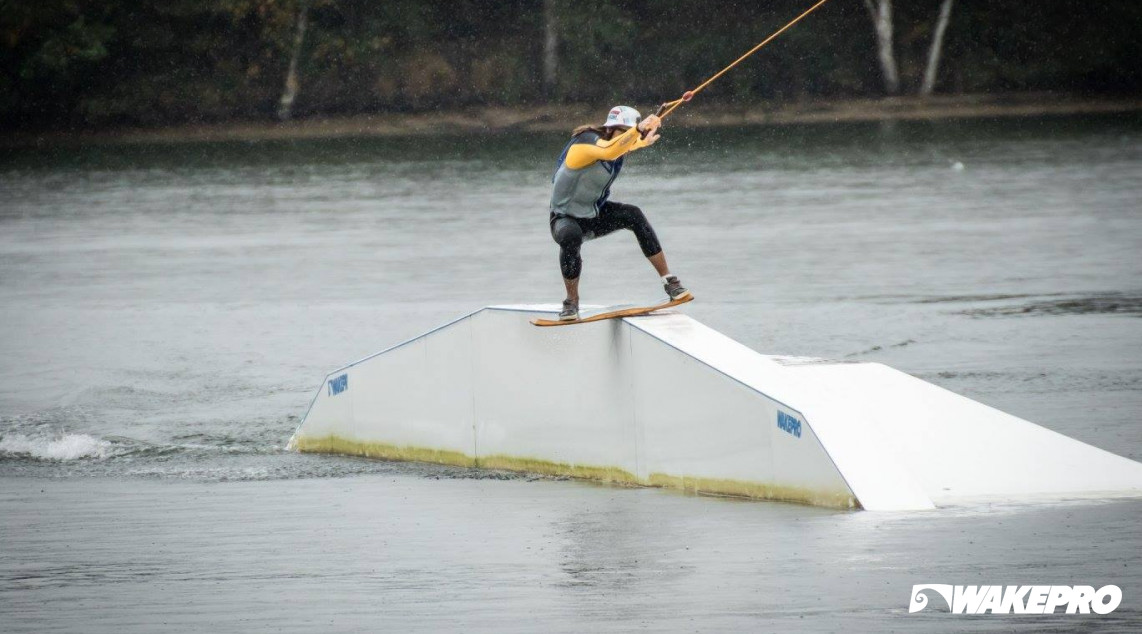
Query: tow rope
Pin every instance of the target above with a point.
(670, 106)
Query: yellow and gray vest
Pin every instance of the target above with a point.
(580, 193)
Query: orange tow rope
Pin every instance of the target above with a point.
(670, 106)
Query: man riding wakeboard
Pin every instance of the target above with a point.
(580, 209)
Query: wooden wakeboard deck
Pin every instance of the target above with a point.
(633, 311)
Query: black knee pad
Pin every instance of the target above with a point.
(567, 233)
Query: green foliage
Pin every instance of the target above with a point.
(67, 50)
(102, 62)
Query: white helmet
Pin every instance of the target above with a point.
(624, 116)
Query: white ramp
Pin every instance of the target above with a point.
(663, 400)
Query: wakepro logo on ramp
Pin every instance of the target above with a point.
(788, 424)
(338, 385)
(1018, 599)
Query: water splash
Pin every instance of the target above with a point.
(59, 448)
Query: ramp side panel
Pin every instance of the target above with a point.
(416, 396)
(556, 395)
(329, 414)
(700, 424)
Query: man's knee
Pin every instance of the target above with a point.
(568, 234)
(635, 215)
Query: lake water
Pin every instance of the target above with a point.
(169, 310)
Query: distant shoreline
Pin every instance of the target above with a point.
(564, 117)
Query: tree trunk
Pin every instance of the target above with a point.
(550, 46)
(285, 106)
(937, 45)
(881, 16)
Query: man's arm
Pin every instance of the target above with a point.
(582, 155)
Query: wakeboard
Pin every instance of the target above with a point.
(614, 312)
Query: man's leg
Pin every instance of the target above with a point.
(569, 235)
(572, 289)
(658, 261)
(614, 216)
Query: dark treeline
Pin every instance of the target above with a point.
(109, 62)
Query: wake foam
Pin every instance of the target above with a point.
(61, 448)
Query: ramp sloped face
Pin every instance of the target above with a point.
(663, 400)
(902, 443)
(961, 451)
